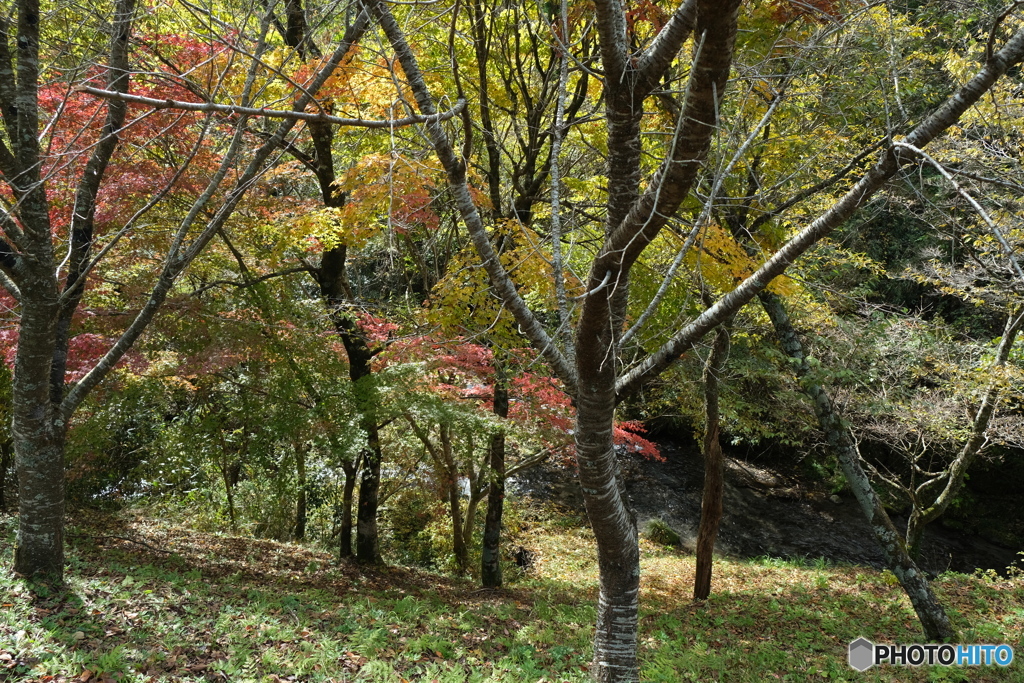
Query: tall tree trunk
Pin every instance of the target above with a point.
(300, 501)
(229, 492)
(229, 475)
(38, 442)
(345, 542)
(37, 425)
(367, 544)
(614, 525)
(451, 473)
(6, 456)
(930, 612)
(469, 520)
(711, 502)
(459, 547)
(335, 289)
(490, 563)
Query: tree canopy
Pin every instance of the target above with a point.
(329, 263)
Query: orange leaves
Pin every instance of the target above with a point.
(645, 12)
(342, 88)
(387, 190)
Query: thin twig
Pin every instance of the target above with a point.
(213, 107)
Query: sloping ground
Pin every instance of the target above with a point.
(150, 602)
(769, 511)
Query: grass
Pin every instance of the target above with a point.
(147, 601)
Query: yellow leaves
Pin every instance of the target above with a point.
(339, 84)
(463, 302)
(227, 74)
(327, 227)
(721, 261)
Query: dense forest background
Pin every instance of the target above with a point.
(333, 272)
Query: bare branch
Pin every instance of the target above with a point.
(705, 214)
(556, 181)
(249, 282)
(213, 107)
(528, 462)
(973, 202)
(12, 288)
(948, 114)
(177, 261)
(455, 169)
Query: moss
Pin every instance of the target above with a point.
(657, 531)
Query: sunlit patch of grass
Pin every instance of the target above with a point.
(218, 607)
(793, 620)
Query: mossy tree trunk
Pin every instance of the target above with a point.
(490, 562)
(930, 611)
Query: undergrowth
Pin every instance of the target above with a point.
(149, 601)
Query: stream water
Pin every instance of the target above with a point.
(767, 511)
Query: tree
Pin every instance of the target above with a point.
(636, 212)
(714, 465)
(46, 215)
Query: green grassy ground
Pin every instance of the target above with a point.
(174, 604)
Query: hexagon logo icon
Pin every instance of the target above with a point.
(862, 654)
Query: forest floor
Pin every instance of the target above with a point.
(773, 506)
(147, 600)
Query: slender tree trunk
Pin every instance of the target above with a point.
(451, 473)
(229, 492)
(334, 288)
(460, 550)
(333, 282)
(711, 502)
(367, 545)
(6, 457)
(490, 563)
(345, 542)
(930, 612)
(469, 519)
(923, 514)
(229, 475)
(300, 502)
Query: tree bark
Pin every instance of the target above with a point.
(451, 479)
(229, 492)
(38, 441)
(469, 519)
(614, 525)
(367, 543)
(6, 453)
(300, 501)
(490, 562)
(930, 612)
(711, 501)
(345, 540)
